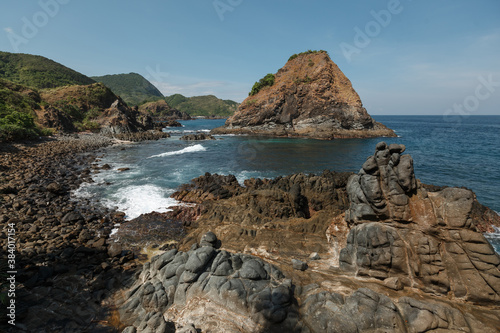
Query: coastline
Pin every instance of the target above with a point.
(64, 249)
(64, 257)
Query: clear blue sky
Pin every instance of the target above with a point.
(426, 57)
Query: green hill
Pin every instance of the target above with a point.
(17, 111)
(133, 88)
(38, 72)
(203, 105)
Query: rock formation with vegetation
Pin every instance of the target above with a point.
(308, 97)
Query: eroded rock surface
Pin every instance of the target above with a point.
(212, 290)
(393, 255)
(429, 239)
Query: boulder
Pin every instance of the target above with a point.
(197, 137)
(234, 292)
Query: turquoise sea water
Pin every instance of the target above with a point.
(446, 151)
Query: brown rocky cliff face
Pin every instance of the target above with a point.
(114, 115)
(311, 97)
(161, 110)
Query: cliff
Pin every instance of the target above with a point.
(310, 97)
(162, 110)
(89, 107)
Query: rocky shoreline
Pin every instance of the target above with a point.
(280, 255)
(273, 255)
(67, 266)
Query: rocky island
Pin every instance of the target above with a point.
(308, 97)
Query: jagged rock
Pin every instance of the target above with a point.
(52, 117)
(380, 190)
(161, 110)
(119, 118)
(428, 239)
(171, 123)
(208, 187)
(197, 137)
(141, 136)
(310, 97)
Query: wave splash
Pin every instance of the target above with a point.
(190, 149)
(141, 199)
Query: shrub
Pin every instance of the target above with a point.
(306, 52)
(307, 79)
(19, 126)
(11, 132)
(18, 119)
(266, 81)
(251, 102)
(92, 114)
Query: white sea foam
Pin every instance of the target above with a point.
(495, 234)
(141, 199)
(243, 175)
(187, 131)
(190, 149)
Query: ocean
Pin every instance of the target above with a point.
(458, 151)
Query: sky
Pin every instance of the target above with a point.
(403, 57)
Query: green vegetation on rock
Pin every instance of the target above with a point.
(306, 52)
(38, 72)
(266, 81)
(133, 88)
(205, 106)
(17, 105)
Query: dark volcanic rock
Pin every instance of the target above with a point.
(141, 136)
(64, 271)
(197, 137)
(275, 214)
(171, 123)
